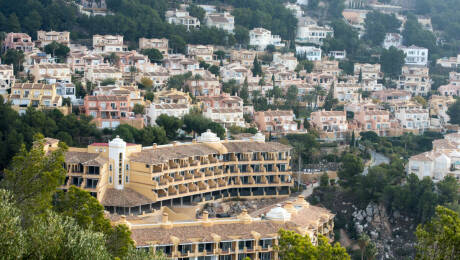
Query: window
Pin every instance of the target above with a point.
(110, 179)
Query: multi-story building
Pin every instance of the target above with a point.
(108, 43)
(155, 110)
(45, 38)
(42, 96)
(449, 90)
(374, 120)
(244, 57)
(415, 79)
(52, 73)
(368, 71)
(308, 32)
(417, 120)
(415, 55)
(347, 92)
(276, 121)
(204, 86)
(99, 75)
(286, 60)
(227, 117)
(159, 44)
(200, 52)
(309, 52)
(332, 124)
(183, 18)
(392, 40)
(18, 41)
(172, 96)
(7, 78)
(438, 109)
(261, 38)
(235, 71)
(243, 236)
(224, 21)
(128, 178)
(392, 95)
(111, 111)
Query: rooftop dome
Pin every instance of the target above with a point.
(208, 137)
(278, 213)
(259, 137)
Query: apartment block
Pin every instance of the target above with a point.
(18, 41)
(224, 21)
(128, 178)
(276, 121)
(415, 79)
(332, 124)
(38, 95)
(108, 43)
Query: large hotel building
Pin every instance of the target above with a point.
(131, 179)
(142, 184)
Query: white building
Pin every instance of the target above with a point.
(224, 21)
(261, 38)
(413, 119)
(226, 116)
(338, 55)
(66, 90)
(415, 79)
(108, 43)
(287, 60)
(415, 55)
(392, 40)
(183, 18)
(310, 52)
(45, 38)
(436, 164)
(157, 109)
(52, 73)
(309, 32)
(295, 9)
(6, 78)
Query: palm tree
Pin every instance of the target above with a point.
(132, 73)
(363, 242)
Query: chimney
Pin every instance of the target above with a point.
(175, 143)
(164, 218)
(154, 146)
(205, 215)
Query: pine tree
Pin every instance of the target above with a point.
(13, 23)
(256, 68)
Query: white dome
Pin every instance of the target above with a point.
(208, 137)
(278, 213)
(259, 137)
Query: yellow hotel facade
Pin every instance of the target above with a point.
(131, 179)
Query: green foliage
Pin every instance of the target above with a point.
(154, 55)
(12, 237)
(454, 112)
(305, 65)
(170, 124)
(306, 144)
(197, 12)
(178, 81)
(58, 50)
(256, 68)
(138, 109)
(351, 169)
(345, 38)
(439, 238)
(107, 82)
(15, 57)
(33, 177)
(145, 136)
(414, 34)
(238, 130)
(119, 241)
(330, 102)
(294, 246)
(378, 24)
(324, 180)
(214, 70)
(231, 87)
(197, 123)
(392, 61)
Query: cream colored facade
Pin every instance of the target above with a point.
(35, 95)
(45, 38)
(159, 44)
(108, 43)
(129, 178)
(233, 238)
(52, 73)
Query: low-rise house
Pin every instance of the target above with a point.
(222, 101)
(182, 17)
(440, 162)
(159, 78)
(172, 96)
(179, 64)
(79, 61)
(331, 124)
(227, 117)
(392, 95)
(236, 72)
(52, 73)
(449, 62)
(368, 71)
(392, 40)
(338, 55)
(244, 57)
(415, 79)
(415, 55)
(416, 120)
(108, 43)
(224, 21)
(99, 75)
(371, 85)
(347, 92)
(438, 109)
(276, 121)
(7, 78)
(44, 38)
(111, 111)
(38, 95)
(295, 9)
(200, 52)
(454, 78)
(159, 44)
(449, 90)
(67, 90)
(374, 120)
(18, 41)
(261, 38)
(287, 60)
(309, 52)
(154, 110)
(204, 86)
(308, 32)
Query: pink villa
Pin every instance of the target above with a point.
(332, 124)
(374, 120)
(111, 111)
(18, 41)
(449, 90)
(278, 121)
